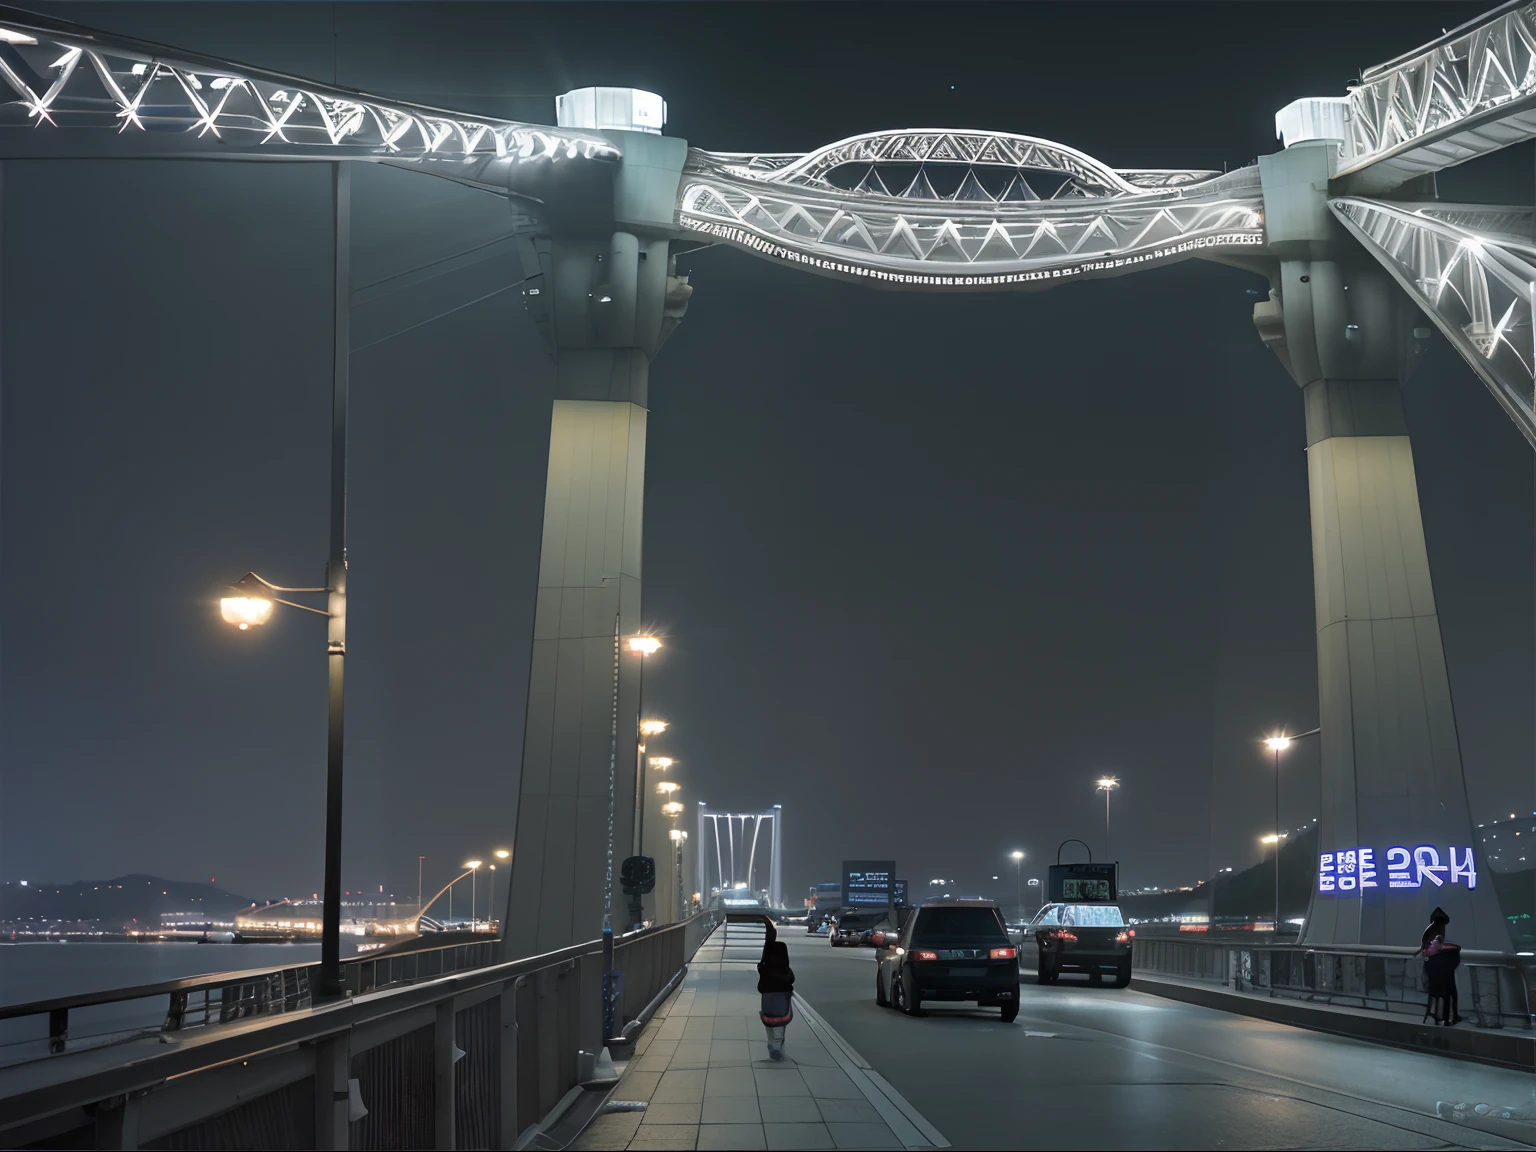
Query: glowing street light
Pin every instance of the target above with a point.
(652, 727)
(474, 871)
(645, 645)
(662, 762)
(1018, 881)
(642, 646)
(1277, 744)
(1106, 785)
(666, 787)
(674, 809)
(490, 898)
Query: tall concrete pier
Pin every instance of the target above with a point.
(603, 290)
(1395, 834)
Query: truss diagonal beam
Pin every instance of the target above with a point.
(88, 93)
(1472, 270)
(1470, 92)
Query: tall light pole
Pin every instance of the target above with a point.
(253, 603)
(490, 903)
(420, 862)
(677, 836)
(1018, 879)
(642, 646)
(1106, 785)
(474, 871)
(1278, 744)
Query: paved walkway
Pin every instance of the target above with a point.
(702, 1066)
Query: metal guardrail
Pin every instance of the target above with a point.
(222, 997)
(473, 1058)
(1494, 988)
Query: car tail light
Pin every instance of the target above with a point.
(925, 955)
(1004, 953)
(1061, 934)
(1125, 936)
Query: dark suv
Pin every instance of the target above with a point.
(950, 950)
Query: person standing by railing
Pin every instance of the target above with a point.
(776, 982)
(1441, 959)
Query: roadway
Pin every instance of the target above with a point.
(1096, 1067)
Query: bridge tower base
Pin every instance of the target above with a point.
(605, 306)
(1391, 763)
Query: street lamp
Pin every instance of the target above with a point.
(1018, 878)
(678, 837)
(666, 787)
(253, 590)
(474, 871)
(1277, 744)
(642, 646)
(1106, 785)
(652, 727)
(490, 900)
(662, 762)
(674, 809)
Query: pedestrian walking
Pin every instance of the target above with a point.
(1441, 959)
(776, 983)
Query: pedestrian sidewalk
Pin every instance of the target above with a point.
(702, 1067)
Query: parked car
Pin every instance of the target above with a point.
(950, 950)
(1089, 938)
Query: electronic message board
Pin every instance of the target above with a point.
(869, 883)
(1084, 883)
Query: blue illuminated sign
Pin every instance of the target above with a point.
(1351, 870)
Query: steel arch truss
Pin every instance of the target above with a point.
(1470, 92)
(1097, 221)
(128, 98)
(1472, 269)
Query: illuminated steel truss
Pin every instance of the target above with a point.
(1091, 220)
(72, 82)
(1472, 269)
(1023, 213)
(1470, 92)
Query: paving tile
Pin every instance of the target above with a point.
(669, 1114)
(683, 1087)
(729, 1053)
(737, 1081)
(780, 1082)
(651, 1062)
(671, 1028)
(637, 1085)
(730, 1028)
(797, 1135)
(731, 1136)
(832, 1083)
(699, 1028)
(615, 1126)
(731, 1110)
(666, 1136)
(848, 1111)
(691, 1054)
(806, 1051)
(790, 1110)
(861, 1136)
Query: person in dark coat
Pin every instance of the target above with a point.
(1441, 959)
(776, 982)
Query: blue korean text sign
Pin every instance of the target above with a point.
(1347, 871)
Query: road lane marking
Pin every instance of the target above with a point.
(908, 1124)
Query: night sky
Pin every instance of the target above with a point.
(925, 565)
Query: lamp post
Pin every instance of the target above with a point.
(1106, 785)
(253, 606)
(474, 871)
(490, 902)
(1018, 879)
(420, 862)
(641, 646)
(678, 836)
(1278, 744)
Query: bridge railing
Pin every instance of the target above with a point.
(1497, 986)
(69, 1023)
(472, 1058)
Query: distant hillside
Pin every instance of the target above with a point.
(122, 902)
